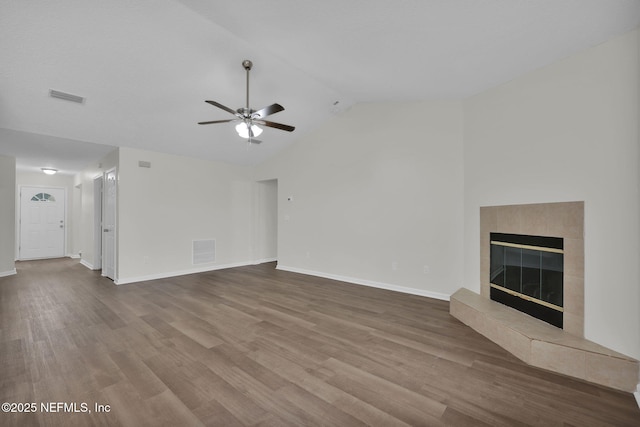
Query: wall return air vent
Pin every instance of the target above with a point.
(66, 96)
(204, 251)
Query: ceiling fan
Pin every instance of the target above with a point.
(249, 118)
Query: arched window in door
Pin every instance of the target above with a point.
(43, 197)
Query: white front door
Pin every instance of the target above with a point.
(109, 225)
(42, 226)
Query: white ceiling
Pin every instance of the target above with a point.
(146, 66)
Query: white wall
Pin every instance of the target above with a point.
(568, 132)
(7, 215)
(380, 184)
(40, 179)
(162, 209)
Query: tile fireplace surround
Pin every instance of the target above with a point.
(535, 342)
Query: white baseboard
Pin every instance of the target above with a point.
(86, 264)
(73, 256)
(126, 280)
(357, 281)
(636, 394)
(264, 260)
(364, 282)
(8, 273)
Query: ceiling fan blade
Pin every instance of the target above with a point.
(223, 107)
(216, 121)
(267, 111)
(254, 141)
(276, 125)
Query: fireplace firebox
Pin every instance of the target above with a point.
(526, 273)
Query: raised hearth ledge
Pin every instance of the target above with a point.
(544, 346)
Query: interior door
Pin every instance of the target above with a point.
(109, 225)
(42, 227)
(97, 222)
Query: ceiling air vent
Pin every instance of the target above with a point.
(66, 96)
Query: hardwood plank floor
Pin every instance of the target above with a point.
(254, 346)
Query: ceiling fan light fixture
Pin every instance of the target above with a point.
(243, 130)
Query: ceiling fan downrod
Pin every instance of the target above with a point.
(247, 66)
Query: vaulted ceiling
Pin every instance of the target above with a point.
(145, 67)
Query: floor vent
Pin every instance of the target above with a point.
(204, 251)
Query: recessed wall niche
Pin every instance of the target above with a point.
(562, 220)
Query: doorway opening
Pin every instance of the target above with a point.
(266, 230)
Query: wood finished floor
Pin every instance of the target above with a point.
(254, 346)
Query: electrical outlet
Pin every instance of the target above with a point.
(426, 269)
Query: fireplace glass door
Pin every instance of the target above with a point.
(529, 268)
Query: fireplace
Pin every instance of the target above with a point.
(526, 273)
(538, 344)
(564, 220)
